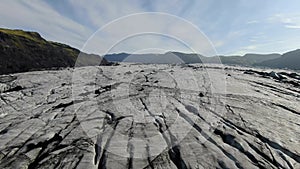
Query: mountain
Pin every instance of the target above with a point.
(258, 58)
(290, 60)
(169, 57)
(247, 59)
(116, 57)
(22, 51)
(234, 60)
(178, 57)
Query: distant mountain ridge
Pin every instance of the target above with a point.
(178, 57)
(169, 57)
(22, 51)
(258, 58)
(289, 60)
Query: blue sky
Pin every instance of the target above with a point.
(234, 27)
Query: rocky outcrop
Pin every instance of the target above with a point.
(22, 51)
(150, 116)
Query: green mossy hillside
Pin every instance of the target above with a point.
(22, 51)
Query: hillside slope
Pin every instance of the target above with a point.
(258, 58)
(166, 58)
(179, 57)
(22, 51)
(290, 60)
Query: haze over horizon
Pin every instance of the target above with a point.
(235, 27)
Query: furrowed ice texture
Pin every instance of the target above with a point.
(50, 120)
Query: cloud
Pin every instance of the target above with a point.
(57, 25)
(293, 26)
(258, 37)
(291, 21)
(251, 47)
(252, 22)
(39, 16)
(266, 47)
(99, 13)
(149, 30)
(218, 43)
(227, 24)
